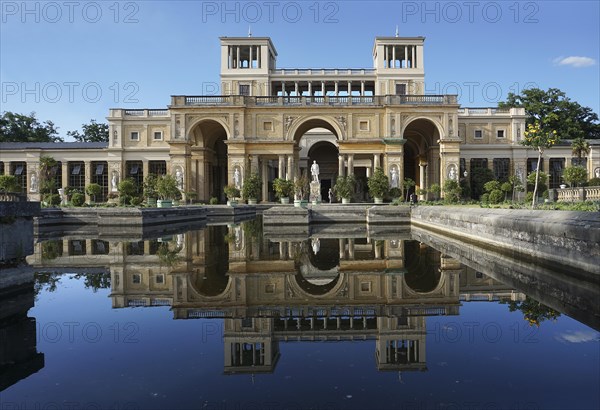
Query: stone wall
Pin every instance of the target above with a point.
(564, 239)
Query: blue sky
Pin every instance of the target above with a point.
(72, 61)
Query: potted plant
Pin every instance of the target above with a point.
(231, 192)
(301, 189)
(150, 190)
(252, 188)
(167, 190)
(93, 190)
(379, 185)
(344, 188)
(283, 189)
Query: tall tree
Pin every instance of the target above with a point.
(92, 132)
(571, 120)
(580, 147)
(540, 136)
(26, 128)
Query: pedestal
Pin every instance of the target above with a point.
(315, 192)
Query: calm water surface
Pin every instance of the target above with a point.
(226, 318)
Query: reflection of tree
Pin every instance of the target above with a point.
(533, 311)
(95, 280)
(168, 253)
(51, 249)
(45, 280)
(48, 281)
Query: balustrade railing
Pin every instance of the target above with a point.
(340, 100)
(591, 193)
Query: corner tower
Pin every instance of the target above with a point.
(245, 65)
(399, 65)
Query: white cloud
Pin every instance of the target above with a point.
(578, 337)
(575, 61)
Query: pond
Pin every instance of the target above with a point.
(226, 317)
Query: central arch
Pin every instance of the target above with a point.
(316, 139)
(421, 151)
(208, 167)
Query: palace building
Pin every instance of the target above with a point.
(276, 122)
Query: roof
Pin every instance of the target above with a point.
(52, 145)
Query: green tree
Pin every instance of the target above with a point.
(479, 177)
(575, 175)
(452, 191)
(26, 128)
(580, 148)
(533, 311)
(568, 118)
(47, 172)
(540, 136)
(407, 184)
(92, 132)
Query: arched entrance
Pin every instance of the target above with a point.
(208, 159)
(316, 139)
(421, 152)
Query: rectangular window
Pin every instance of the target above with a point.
(268, 126)
(56, 173)
(135, 136)
(365, 286)
(579, 162)
(157, 167)
(99, 247)
(77, 175)
(400, 89)
(478, 134)
(100, 177)
(556, 169)
(136, 172)
(76, 248)
(160, 279)
(501, 169)
(363, 125)
(158, 135)
(136, 278)
(134, 248)
(532, 165)
(500, 134)
(244, 89)
(1, 168)
(20, 172)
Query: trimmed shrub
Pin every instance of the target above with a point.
(77, 199)
(496, 196)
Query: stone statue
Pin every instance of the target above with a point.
(452, 172)
(597, 173)
(114, 182)
(314, 170)
(63, 197)
(179, 178)
(316, 245)
(236, 178)
(34, 184)
(395, 180)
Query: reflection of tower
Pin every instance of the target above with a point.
(18, 350)
(249, 346)
(401, 343)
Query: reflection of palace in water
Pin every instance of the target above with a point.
(322, 289)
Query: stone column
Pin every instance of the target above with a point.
(88, 172)
(342, 244)
(65, 173)
(341, 165)
(376, 163)
(146, 169)
(422, 181)
(265, 180)
(290, 168)
(350, 164)
(336, 88)
(281, 173)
